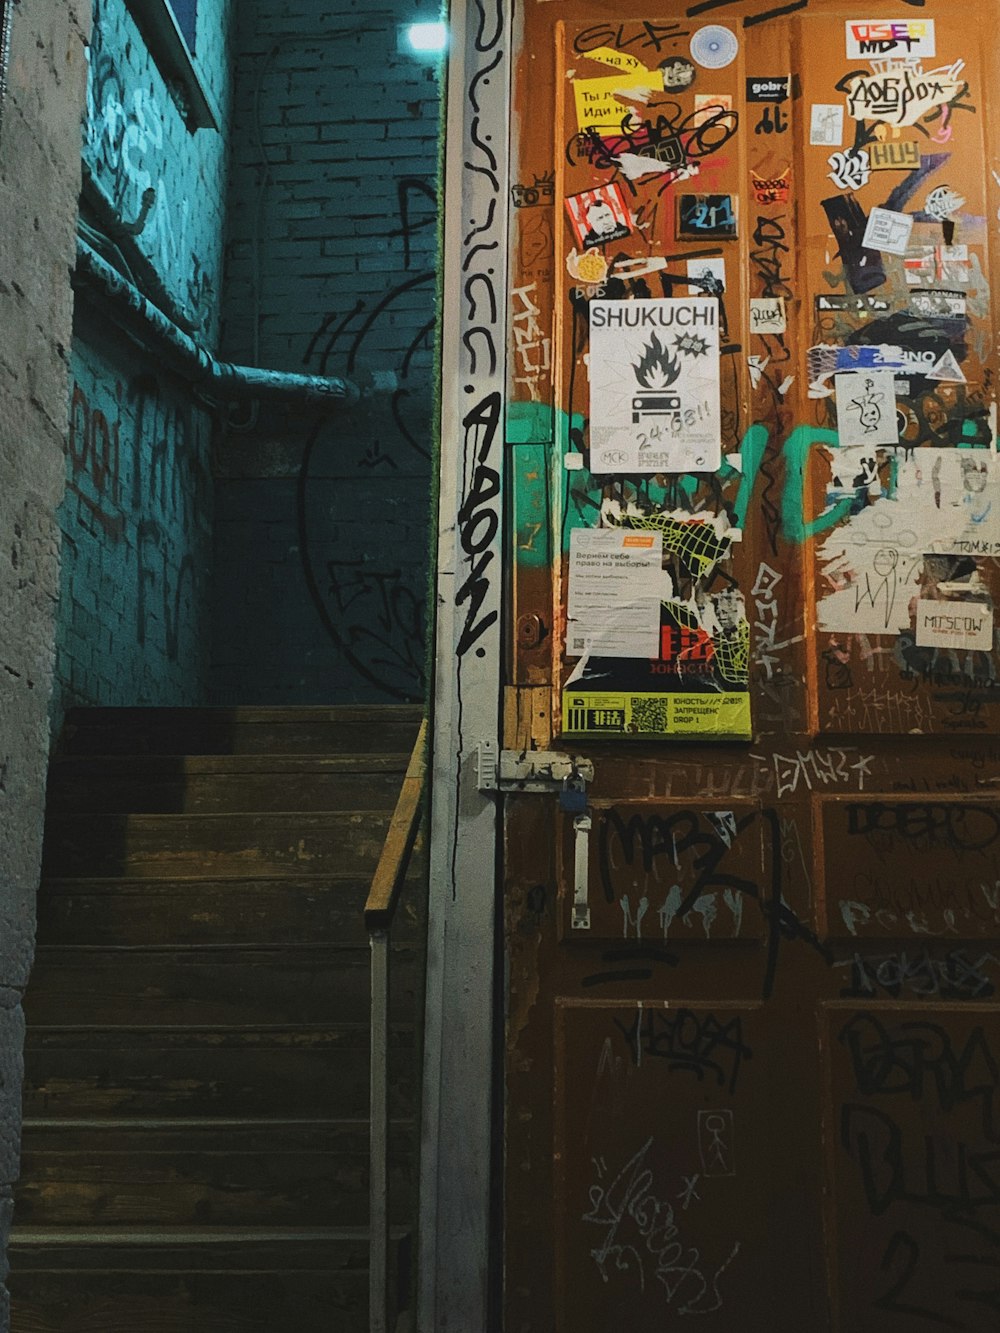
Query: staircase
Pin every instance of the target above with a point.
(196, 1063)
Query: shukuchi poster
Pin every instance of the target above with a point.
(654, 385)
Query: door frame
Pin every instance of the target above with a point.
(459, 1072)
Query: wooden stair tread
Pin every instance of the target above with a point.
(267, 952)
(238, 783)
(196, 1057)
(143, 1237)
(180, 765)
(121, 714)
(248, 845)
(211, 1070)
(174, 819)
(255, 986)
(295, 730)
(149, 1124)
(193, 911)
(345, 1029)
(162, 884)
(270, 1171)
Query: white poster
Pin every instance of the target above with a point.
(616, 582)
(903, 39)
(888, 231)
(826, 125)
(930, 265)
(947, 624)
(903, 93)
(654, 385)
(767, 314)
(875, 563)
(710, 274)
(866, 407)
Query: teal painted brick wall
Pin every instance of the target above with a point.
(167, 182)
(322, 535)
(134, 623)
(135, 602)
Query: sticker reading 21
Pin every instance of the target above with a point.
(701, 216)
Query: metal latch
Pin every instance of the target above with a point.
(534, 771)
(548, 771)
(581, 873)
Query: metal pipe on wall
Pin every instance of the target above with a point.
(137, 316)
(122, 236)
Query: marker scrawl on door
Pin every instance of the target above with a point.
(866, 407)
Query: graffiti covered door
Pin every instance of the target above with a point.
(752, 1043)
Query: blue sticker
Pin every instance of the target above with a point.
(714, 47)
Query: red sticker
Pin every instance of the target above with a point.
(771, 189)
(598, 216)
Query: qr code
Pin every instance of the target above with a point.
(579, 645)
(649, 715)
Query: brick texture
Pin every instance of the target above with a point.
(322, 519)
(135, 599)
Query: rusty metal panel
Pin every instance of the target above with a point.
(674, 873)
(830, 846)
(902, 537)
(909, 867)
(910, 1133)
(659, 1116)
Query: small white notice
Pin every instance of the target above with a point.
(826, 125)
(888, 231)
(767, 314)
(866, 407)
(966, 625)
(709, 275)
(615, 584)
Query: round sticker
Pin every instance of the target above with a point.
(714, 47)
(678, 72)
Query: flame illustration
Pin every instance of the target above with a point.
(656, 369)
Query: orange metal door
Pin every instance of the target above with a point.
(752, 1041)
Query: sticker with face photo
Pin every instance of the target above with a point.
(599, 216)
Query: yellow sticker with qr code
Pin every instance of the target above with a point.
(643, 716)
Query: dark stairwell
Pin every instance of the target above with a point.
(196, 1068)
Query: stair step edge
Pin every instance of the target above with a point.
(202, 1122)
(22, 1237)
(348, 1026)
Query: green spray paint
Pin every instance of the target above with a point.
(794, 527)
(530, 422)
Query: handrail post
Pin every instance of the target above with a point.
(378, 1185)
(380, 908)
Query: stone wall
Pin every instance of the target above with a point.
(39, 184)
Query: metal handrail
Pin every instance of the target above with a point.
(380, 908)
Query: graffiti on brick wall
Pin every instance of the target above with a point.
(370, 604)
(131, 146)
(344, 338)
(373, 609)
(137, 511)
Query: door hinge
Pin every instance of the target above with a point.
(531, 770)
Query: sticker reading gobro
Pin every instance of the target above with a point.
(654, 385)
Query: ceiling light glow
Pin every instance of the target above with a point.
(427, 38)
